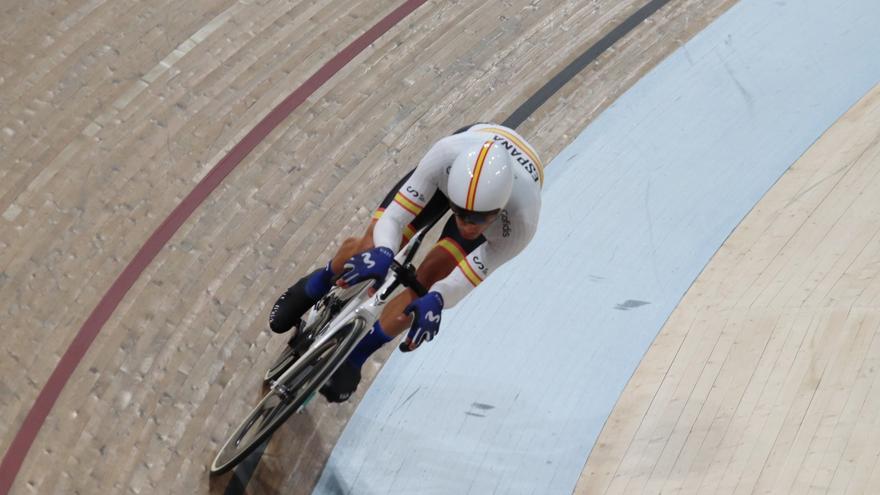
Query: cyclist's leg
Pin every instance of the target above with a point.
(351, 247)
(302, 295)
(346, 378)
(438, 264)
(355, 245)
(435, 267)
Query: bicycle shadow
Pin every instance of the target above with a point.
(291, 461)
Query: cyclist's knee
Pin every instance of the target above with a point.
(350, 245)
(349, 248)
(355, 245)
(365, 243)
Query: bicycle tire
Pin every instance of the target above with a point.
(287, 356)
(279, 408)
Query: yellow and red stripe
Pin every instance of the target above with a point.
(456, 251)
(408, 204)
(521, 145)
(408, 232)
(475, 176)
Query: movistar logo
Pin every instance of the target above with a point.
(368, 261)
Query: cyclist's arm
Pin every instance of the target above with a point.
(480, 263)
(411, 198)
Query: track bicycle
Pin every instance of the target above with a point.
(329, 331)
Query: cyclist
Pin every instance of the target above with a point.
(491, 179)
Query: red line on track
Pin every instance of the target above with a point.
(18, 450)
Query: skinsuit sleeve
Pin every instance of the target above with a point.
(412, 196)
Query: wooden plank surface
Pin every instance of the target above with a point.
(763, 379)
(110, 112)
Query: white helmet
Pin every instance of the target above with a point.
(481, 178)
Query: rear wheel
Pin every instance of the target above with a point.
(282, 400)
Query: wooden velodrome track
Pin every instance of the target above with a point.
(764, 378)
(112, 112)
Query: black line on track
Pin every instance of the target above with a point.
(245, 471)
(548, 90)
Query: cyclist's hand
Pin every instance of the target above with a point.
(372, 264)
(426, 323)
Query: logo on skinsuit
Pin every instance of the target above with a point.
(416, 194)
(481, 266)
(505, 224)
(527, 164)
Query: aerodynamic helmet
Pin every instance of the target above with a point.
(480, 179)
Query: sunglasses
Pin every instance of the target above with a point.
(473, 217)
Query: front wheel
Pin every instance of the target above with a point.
(284, 399)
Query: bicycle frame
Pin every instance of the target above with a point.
(361, 305)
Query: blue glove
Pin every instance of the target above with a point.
(371, 264)
(426, 323)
